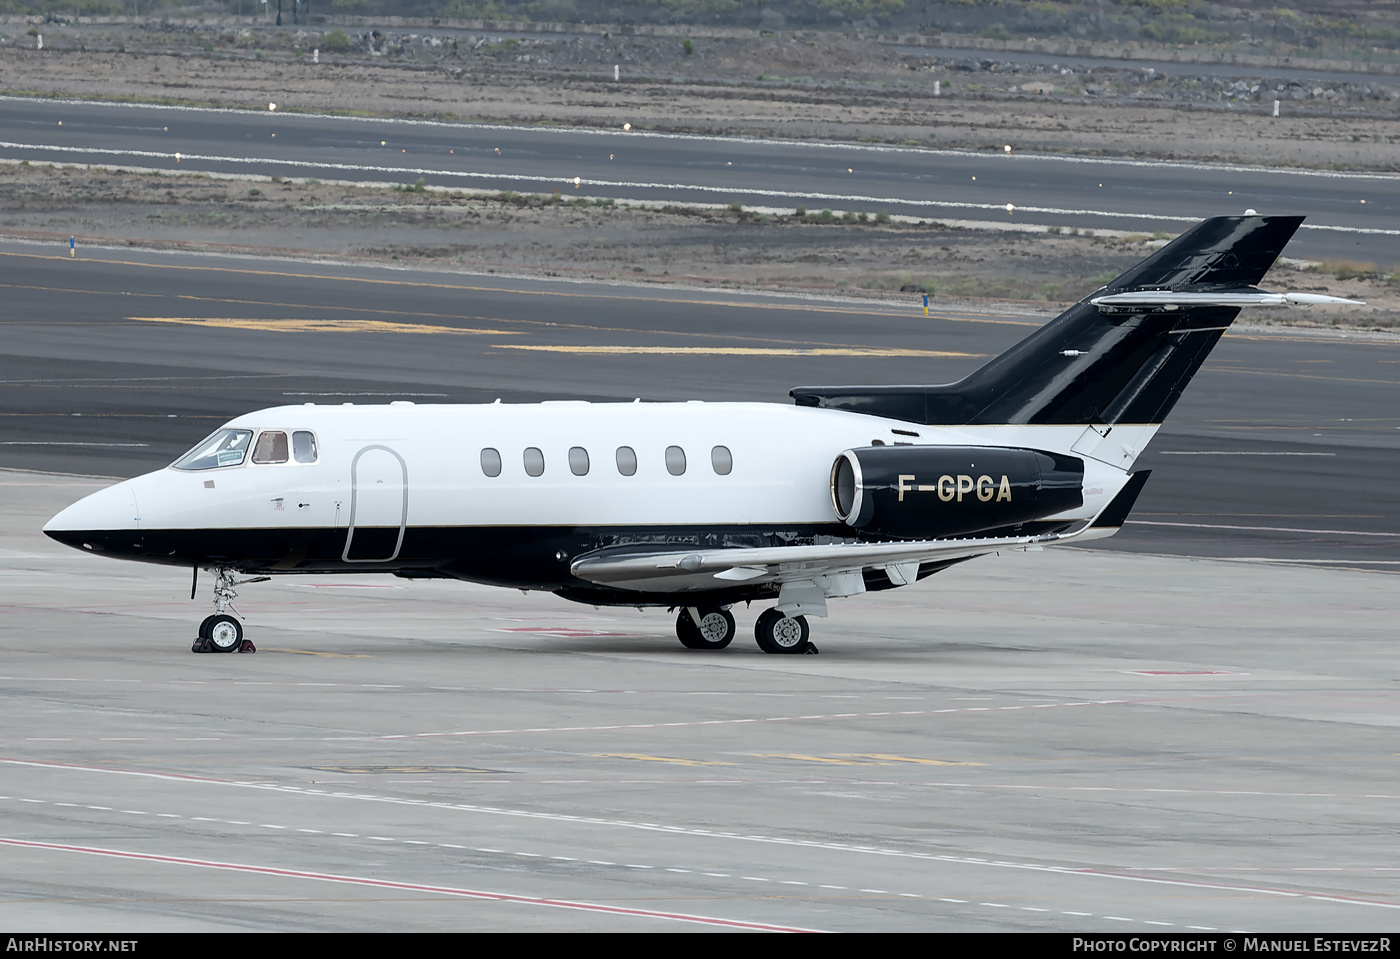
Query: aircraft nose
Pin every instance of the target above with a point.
(100, 521)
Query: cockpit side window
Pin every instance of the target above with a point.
(271, 448)
(304, 446)
(224, 447)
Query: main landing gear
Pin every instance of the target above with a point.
(705, 628)
(780, 633)
(708, 628)
(220, 632)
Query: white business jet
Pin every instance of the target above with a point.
(699, 506)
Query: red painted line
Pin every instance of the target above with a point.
(1103, 873)
(405, 886)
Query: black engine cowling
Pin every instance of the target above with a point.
(918, 492)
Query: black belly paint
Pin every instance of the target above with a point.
(519, 557)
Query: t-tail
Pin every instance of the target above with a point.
(1121, 355)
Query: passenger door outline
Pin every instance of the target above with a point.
(355, 506)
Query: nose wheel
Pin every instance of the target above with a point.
(220, 632)
(224, 633)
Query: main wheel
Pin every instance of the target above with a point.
(779, 633)
(715, 631)
(205, 626)
(225, 633)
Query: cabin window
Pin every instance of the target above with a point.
(271, 448)
(534, 461)
(578, 461)
(626, 461)
(721, 460)
(304, 446)
(675, 460)
(491, 462)
(224, 447)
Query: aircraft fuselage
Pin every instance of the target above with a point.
(406, 487)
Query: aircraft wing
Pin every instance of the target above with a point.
(704, 569)
(834, 569)
(701, 569)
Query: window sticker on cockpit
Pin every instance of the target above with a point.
(224, 447)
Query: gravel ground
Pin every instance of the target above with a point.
(545, 236)
(790, 84)
(793, 85)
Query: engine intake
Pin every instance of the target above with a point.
(919, 492)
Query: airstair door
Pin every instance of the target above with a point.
(378, 506)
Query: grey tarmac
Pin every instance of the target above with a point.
(1071, 740)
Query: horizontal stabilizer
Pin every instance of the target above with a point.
(1178, 299)
(1124, 354)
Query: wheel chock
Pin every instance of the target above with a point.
(247, 647)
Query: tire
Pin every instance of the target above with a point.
(205, 626)
(716, 629)
(225, 634)
(779, 633)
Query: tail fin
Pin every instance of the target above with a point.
(1097, 363)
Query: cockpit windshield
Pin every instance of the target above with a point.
(225, 447)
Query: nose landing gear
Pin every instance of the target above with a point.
(220, 632)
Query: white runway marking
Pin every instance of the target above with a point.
(556, 181)
(745, 141)
(404, 886)
(1332, 562)
(64, 443)
(1116, 875)
(1267, 529)
(617, 726)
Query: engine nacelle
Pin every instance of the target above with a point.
(919, 492)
